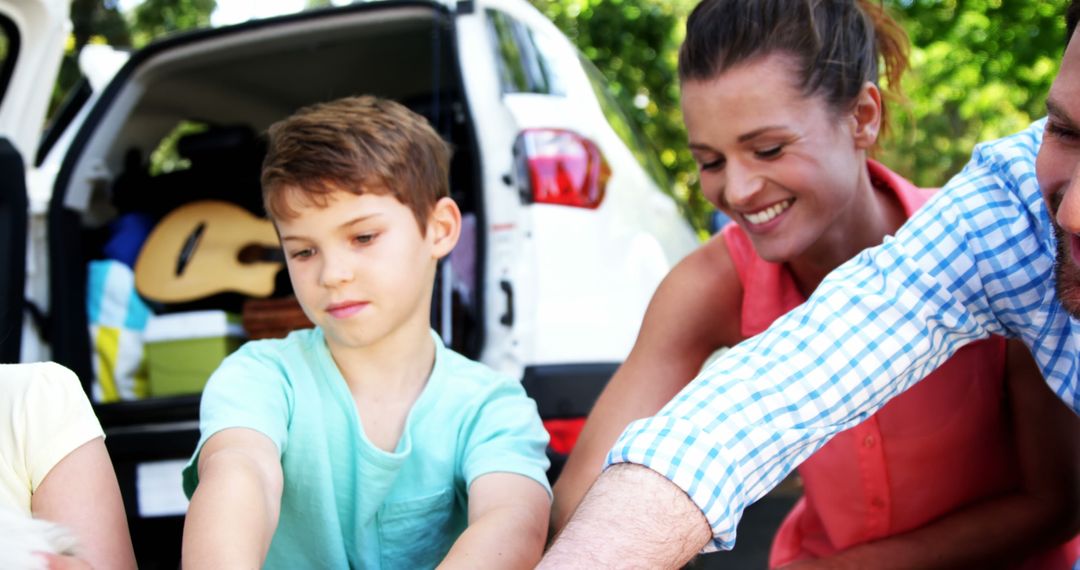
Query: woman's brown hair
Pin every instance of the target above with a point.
(836, 44)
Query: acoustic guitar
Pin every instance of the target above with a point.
(208, 247)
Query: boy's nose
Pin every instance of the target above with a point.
(335, 271)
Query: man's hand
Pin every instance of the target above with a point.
(631, 517)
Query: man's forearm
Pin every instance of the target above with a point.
(631, 517)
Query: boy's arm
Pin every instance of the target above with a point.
(234, 510)
(508, 518)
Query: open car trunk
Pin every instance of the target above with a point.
(182, 123)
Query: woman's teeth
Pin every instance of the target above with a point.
(768, 213)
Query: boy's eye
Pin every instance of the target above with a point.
(302, 253)
(771, 152)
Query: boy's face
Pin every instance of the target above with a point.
(1057, 170)
(360, 267)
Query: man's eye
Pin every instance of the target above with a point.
(1062, 132)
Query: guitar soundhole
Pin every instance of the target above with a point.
(190, 245)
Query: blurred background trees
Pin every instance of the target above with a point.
(980, 69)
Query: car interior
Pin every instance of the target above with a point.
(186, 123)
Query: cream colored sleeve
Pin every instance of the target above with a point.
(49, 417)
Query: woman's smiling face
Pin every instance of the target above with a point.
(784, 166)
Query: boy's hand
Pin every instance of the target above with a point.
(508, 518)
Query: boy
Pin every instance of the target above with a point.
(364, 442)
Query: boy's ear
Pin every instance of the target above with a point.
(444, 226)
(866, 115)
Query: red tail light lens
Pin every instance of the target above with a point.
(561, 167)
(564, 433)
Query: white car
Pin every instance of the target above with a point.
(570, 234)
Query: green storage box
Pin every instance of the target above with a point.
(183, 349)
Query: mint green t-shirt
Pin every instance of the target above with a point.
(347, 503)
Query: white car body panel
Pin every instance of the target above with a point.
(43, 28)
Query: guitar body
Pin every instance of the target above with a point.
(200, 249)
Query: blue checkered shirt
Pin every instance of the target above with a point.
(976, 260)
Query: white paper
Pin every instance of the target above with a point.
(158, 488)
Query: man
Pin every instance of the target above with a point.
(985, 256)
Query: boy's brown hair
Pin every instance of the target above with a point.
(357, 145)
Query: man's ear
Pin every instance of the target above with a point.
(444, 226)
(866, 115)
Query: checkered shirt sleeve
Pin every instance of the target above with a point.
(976, 260)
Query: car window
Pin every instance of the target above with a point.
(544, 46)
(626, 129)
(9, 51)
(523, 66)
(64, 114)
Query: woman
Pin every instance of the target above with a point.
(975, 466)
(54, 467)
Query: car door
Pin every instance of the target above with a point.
(32, 35)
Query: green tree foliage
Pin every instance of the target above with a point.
(980, 69)
(155, 18)
(91, 21)
(95, 21)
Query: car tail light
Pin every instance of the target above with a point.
(564, 433)
(560, 167)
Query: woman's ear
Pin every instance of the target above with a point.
(867, 116)
(444, 226)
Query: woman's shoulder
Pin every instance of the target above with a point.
(48, 378)
(702, 294)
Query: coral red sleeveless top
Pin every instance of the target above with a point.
(943, 444)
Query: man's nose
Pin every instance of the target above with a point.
(1068, 212)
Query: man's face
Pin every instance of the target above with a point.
(1057, 171)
